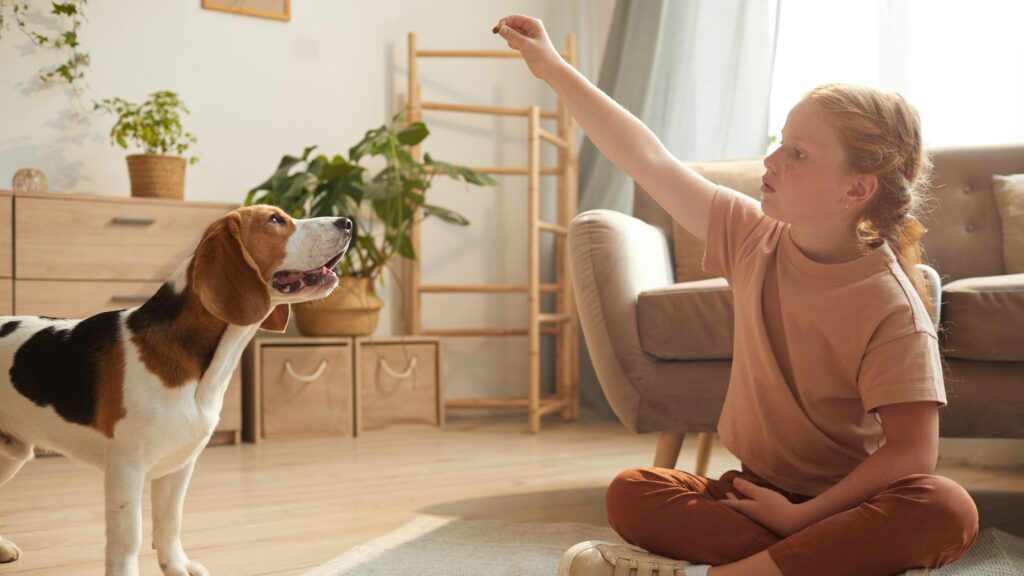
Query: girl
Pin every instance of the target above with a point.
(834, 351)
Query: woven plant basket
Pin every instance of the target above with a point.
(156, 176)
(353, 309)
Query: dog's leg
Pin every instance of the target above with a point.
(13, 455)
(168, 499)
(123, 483)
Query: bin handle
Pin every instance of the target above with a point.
(408, 371)
(304, 377)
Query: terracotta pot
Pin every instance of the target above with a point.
(156, 176)
(353, 309)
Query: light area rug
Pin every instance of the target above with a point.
(432, 545)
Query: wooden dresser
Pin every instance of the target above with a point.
(70, 255)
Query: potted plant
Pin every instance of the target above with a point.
(382, 207)
(155, 127)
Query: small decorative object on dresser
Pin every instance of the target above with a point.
(155, 127)
(29, 181)
(398, 382)
(296, 387)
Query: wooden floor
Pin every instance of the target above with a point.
(283, 507)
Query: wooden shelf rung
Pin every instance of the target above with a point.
(474, 54)
(557, 141)
(549, 403)
(469, 403)
(554, 318)
(470, 332)
(490, 110)
(484, 288)
(554, 405)
(508, 170)
(549, 227)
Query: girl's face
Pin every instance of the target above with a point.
(807, 178)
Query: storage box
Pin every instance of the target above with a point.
(298, 387)
(398, 382)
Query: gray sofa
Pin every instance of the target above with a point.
(659, 330)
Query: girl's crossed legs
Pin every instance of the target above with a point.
(918, 521)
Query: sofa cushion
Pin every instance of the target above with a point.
(687, 321)
(982, 318)
(1009, 193)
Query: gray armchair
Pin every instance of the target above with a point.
(660, 331)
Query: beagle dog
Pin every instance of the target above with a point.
(137, 393)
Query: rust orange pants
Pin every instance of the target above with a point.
(916, 522)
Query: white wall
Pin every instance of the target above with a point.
(259, 89)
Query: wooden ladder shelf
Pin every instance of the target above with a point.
(562, 323)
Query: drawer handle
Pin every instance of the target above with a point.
(303, 377)
(409, 371)
(129, 298)
(133, 221)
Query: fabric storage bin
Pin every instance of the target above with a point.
(398, 382)
(298, 387)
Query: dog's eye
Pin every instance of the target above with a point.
(275, 219)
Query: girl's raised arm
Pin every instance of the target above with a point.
(619, 135)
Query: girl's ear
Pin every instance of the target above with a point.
(862, 190)
(226, 278)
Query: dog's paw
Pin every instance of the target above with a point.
(188, 568)
(9, 552)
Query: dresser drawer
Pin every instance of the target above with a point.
(6, 297)
(78, 299)
(6, 236)
(398, 382)
(94, 239)
(306, 390)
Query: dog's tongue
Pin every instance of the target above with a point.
(293, 280)
(288, 277)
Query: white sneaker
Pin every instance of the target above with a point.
(598, 558)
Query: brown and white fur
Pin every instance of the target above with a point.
(137, 393)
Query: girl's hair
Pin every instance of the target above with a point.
(881, 135)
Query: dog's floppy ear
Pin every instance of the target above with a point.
(226, 278)
(278, 319)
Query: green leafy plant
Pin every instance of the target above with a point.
(382, 206)
(154, 125)
(74, 60)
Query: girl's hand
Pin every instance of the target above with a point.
(527, 35)
(767, 507)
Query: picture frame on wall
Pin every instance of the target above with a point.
(273, 9)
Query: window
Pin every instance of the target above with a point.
(961, 64)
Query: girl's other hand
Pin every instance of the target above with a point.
(767, 507)
(528, 37)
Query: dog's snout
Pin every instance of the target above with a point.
(343, 223)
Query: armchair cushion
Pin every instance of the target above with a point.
(983, 318)
(687, 321)
(740, 175)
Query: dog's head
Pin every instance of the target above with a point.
(258, 260)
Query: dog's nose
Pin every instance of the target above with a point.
(343, 223)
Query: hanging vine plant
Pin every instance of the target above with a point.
(71, 15)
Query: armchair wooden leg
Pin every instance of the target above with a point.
(669, 445)
(704, 443)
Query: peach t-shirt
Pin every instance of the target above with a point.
(818, 347)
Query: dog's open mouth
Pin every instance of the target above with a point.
(291, 281)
